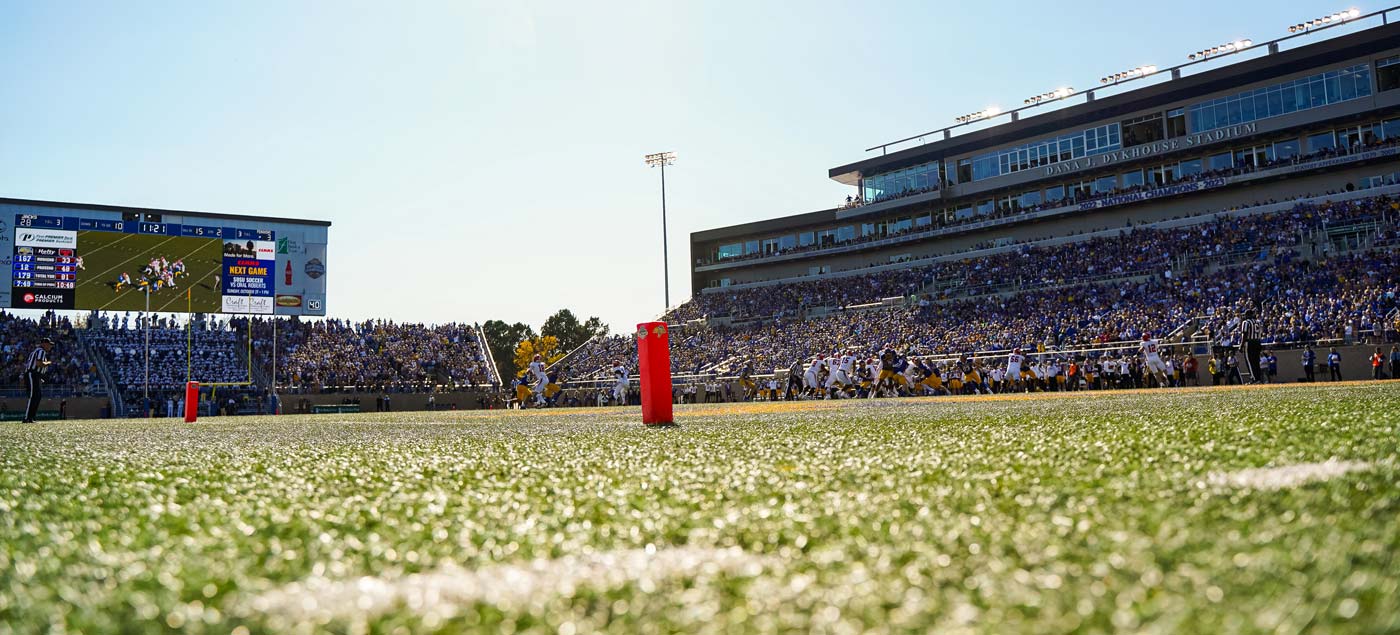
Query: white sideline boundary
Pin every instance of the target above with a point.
(447, 590)
(1285, 476)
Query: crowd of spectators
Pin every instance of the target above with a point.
(377, 354)
(1073, 198)
(1099, 290)
(211, 351)
(1138, 251)
(71, 372)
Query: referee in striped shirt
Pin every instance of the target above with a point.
(33, 371)
(1251, 332)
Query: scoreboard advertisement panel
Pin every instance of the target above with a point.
(100, 259)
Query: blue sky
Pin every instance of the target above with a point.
(483, 160)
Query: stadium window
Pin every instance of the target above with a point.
(1176, 123)
(1189, 167)
(963, 212)
(846, 233)
(1322, 141)
(901, 225)
(1372, 133)
(1132, 179)
(787, 242)
(806, 239)
(923, 221)
(965, 171)
(1284, 150)
(1280, 99)
(750, 247)
(1163, 175)
(729, 251)
(826, 237)
(985, 208)
(1222, 161)
(1030, 199)
(1388, 73)
(1140, 130)
(1054, 194)
(1348, 138)
(724, 282)
(1105, 184)
(1391, 128)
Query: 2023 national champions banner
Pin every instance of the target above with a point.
(65, 257)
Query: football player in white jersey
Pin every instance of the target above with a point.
(619, 392)
(541, 378)
(840, 378)
(1152, 359)
(813, 374)
(1013, 369)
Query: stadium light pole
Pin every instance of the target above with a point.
(661, 160)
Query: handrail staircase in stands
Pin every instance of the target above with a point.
(113, 391)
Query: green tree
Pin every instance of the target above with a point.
(503, 339)
(565, 327)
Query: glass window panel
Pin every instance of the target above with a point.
(1105, 184)
(1221, 161)
(1057, 193)
(1321, 141)
(1392, 127)
(1189, 167)
(751, 247)
(1132, 179)
(1287, 149)
(806, 239)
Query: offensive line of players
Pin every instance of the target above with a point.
(889, 374)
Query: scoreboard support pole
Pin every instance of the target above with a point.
(146, 398)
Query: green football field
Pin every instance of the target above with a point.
(106, 255)
(1268, 510)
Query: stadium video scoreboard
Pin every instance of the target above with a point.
(127, 260)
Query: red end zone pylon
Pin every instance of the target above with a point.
(654, 372)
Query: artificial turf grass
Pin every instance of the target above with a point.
(1004, 515)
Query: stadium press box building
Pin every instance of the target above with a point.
(1286, 120)
(74, 256)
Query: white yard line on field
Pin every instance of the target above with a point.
(1284, 476)
(191, 284)
(118, 296)
(87, 253)
(451, 588)
(103, 275)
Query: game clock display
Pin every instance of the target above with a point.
(64, 262)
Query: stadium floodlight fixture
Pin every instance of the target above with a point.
(1326, 20)
(661, 160)
(1058, 93)
(1132, 73)
(987, 113)
(1221, 49)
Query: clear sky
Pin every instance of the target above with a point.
(483, 160)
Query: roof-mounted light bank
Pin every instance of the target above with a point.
(1132, 73)
(1222, 49)
(1340, 16)
(1203, 55)
(1058, 93)
(990, 112)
